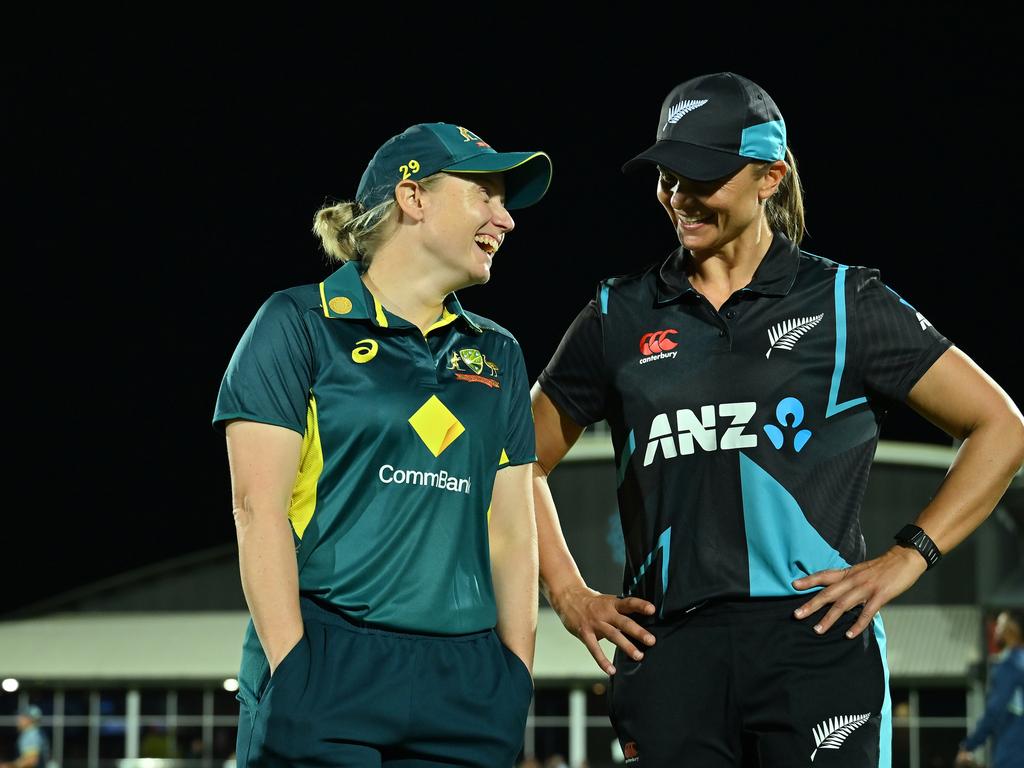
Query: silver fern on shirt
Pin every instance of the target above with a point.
(833, 732)
(789, 332)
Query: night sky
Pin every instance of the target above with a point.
(164, 178)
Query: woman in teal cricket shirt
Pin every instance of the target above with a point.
(380, 441)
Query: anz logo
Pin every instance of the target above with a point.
(689, 431)
(790, 415)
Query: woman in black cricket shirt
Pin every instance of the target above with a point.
(744, 382)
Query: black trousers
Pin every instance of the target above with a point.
(740, 684)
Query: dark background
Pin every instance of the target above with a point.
(162, 175)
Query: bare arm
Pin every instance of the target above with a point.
(264, 461)
(31, 760)
(513, 541)
(960, 398)
(586, 613)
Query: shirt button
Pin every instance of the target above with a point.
(721, 333)
(730, 314)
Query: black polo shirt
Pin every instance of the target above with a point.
(743, 437)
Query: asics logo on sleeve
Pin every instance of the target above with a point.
(691, 431)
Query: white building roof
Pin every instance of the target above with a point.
(927, 642)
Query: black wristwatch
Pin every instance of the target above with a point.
(913, 537)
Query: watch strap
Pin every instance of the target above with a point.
(914, 537)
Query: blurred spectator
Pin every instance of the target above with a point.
(156, 743)
(1004, 710)
(33, 747)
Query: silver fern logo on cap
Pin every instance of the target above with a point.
(676, 112)
(787, 333)
(833, 732)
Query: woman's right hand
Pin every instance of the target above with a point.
(593, 616)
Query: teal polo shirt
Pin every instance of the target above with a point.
(403, 433)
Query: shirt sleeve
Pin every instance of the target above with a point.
(271, 372)
(30, 743)
(574, 378)
(895, 344)
(520, 443)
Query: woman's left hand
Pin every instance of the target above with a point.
(872, 584)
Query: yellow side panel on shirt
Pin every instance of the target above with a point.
(502, 460)
(311, 464)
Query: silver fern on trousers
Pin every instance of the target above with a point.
(832, 733)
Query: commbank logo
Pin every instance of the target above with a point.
(690, 431)
(441, 479)
(657, 345)
(436, 426)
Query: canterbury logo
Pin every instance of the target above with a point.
(676, 112)
(786, 334)
(658, 341)
(833, 732)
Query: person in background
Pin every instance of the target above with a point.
(33, 746)
(1003, 719)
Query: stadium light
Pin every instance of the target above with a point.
(9, 684)
(231, 685)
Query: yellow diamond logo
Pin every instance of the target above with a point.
(436, 425)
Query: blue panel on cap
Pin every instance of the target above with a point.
(766, 141)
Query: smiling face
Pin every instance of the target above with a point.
(707, 215)
(467, 223)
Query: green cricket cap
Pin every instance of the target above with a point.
(428, 148)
